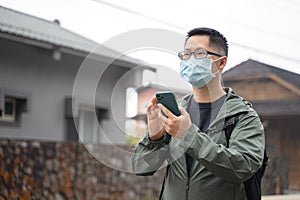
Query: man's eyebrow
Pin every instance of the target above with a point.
(189, 49)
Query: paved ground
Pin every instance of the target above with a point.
(282, 197)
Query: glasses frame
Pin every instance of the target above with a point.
(180, 54)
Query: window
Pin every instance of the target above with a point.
(131, 102)
(8, 113)
(83, 121)
(89, 128)
(12, 104)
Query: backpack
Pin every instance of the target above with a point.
(253, 184)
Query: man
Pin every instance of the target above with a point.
(202, 166)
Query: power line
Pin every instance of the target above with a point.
(285, 3)
(138, 14)
(183, 28)
(290, 2)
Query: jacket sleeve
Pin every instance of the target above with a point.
(240, 160)
(147, 156)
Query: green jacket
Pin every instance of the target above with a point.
(217, 172)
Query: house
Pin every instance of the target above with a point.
(57, 85)
(275, 95)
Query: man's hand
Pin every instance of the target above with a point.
(175, 125)
(155, 123)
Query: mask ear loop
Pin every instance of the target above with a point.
(214, 74)
(218, 59)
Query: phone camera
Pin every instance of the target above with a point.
(160, 97)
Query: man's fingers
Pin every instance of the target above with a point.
(161, 115)
(149, 107)
(167, 112)
(153, 100)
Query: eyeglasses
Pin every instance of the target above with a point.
(198, 53)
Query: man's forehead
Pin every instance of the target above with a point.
(197, 41)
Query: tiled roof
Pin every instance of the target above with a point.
(23, 25)
(20, 24)
(251, 67)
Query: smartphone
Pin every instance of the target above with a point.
(167, 98)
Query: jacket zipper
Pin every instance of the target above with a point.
(187, 185)
(187, 188)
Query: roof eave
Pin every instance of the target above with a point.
(72, 51)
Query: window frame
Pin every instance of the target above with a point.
(22, 104)
(9, 118)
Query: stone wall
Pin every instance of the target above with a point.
(49, 170)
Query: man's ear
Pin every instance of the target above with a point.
(222, 64)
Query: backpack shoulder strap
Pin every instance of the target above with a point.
(229, 125)
(253, 184)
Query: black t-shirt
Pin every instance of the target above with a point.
(202, 114)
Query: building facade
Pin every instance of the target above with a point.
(59, 86)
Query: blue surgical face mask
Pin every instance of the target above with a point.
(197, 71)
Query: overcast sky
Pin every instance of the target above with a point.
(264, 30)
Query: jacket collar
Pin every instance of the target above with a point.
(233, 104)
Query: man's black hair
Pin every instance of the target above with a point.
(216, 39)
